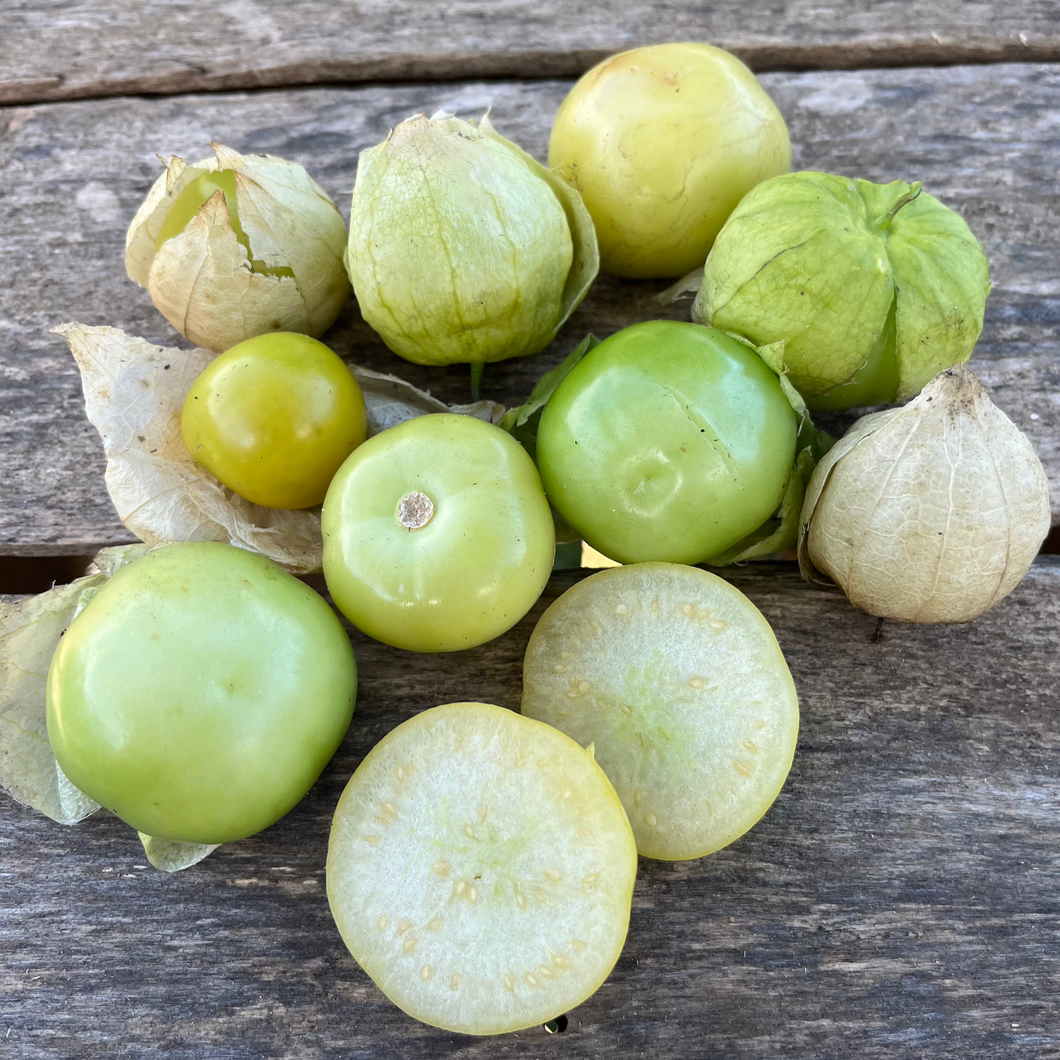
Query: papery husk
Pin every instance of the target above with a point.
(30, 629)
(928, 513)
(462, 247)
(170, 855)
(204, 282)
(853, 277)
(134, 396)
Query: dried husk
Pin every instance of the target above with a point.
(30, 629)
(928, 513)
(205, 283)
(462, 247)
(134, 396)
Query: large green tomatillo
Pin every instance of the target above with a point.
(200, 693)
(872, 288)
(463, 248)
(437, 534)
(662, 143)
(668, 441)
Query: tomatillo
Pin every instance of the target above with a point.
(662, 142)
(437, 534)
(668, 441)
(200, 693)
(274, 417)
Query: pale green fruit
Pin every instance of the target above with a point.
(480, 869)
(462, 248)
(873, 288)
(678, 682)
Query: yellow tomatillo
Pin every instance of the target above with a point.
(662, 143)
(274, 418)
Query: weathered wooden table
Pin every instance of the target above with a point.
(902, 897)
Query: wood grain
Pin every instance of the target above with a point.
(72, 174)
(898, 901)
(58, 49)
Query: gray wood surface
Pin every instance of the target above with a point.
(984, 139)
(898, 901)
(74, 49)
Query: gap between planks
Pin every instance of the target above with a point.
(521, 65)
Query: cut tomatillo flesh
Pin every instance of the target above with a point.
(437, 534)
(678, 681)
(481, 869)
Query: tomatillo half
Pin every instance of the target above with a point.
(669, 441)
(437, 534)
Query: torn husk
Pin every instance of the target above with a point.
(269, 258)
(928, 513)
(29, 632)
(134, 396)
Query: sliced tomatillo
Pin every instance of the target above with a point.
(480, 869)
(678, 681)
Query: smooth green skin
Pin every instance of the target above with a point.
(662, 142)
(192, 199)
(669, 441)
(200, 693)
(873, 288)
(470, 573)
(274, 417)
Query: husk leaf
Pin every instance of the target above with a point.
(928, 513)
(204, 281)
(134, 396)
(30, 630)
(462, 248)
(168, 855)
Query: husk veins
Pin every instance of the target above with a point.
(928, 513)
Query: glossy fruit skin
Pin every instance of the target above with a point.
(662, 142)
(473, 570)
(274, 417)
(669, 441)
(200, 693)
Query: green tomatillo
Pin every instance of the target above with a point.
(672, 441)
(437, 534)
(872, 288)
(463, 248)
(200, 693)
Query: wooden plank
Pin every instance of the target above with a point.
(52, 50)
(71, 176)
(898, 901)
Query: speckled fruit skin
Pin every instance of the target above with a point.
(200, 693)
(274, 418)
(662, 142)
